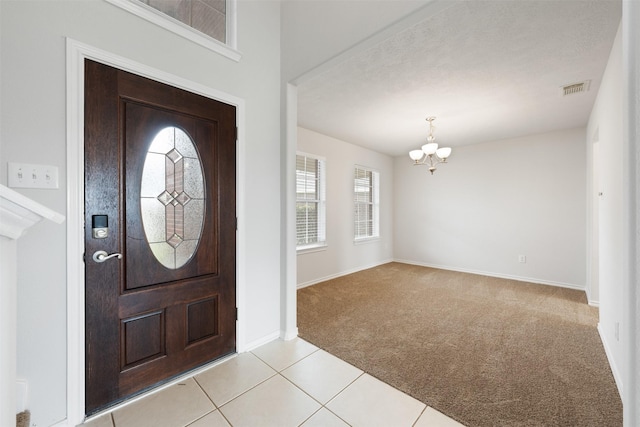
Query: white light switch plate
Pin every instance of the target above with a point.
(24, 175)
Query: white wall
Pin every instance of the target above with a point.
(342, 256)
(495, 201)
(33, 130)
(606, 127)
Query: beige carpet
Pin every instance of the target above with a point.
(23, 419)
(484, 351)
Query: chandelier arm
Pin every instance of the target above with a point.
(426, 160)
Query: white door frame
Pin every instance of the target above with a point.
(76, 54)
(631, 217)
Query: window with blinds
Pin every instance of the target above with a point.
(310, 202)
(366, 203)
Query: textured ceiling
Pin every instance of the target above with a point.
(487, 70)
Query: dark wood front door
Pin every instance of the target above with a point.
(160, 178)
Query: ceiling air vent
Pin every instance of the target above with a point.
(575, 88)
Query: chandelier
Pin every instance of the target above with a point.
(430, 154)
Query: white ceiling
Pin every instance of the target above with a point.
(487, 70)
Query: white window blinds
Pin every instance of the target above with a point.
(366, 203)
(310, 201)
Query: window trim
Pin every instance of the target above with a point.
(320, 245)
(375, 186)
(307, 249)
(228, 49)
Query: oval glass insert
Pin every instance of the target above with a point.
(172, 197)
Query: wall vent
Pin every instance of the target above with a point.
(574, 88)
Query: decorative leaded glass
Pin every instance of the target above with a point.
(172, 197)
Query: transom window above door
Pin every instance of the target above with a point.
(206, 16)
(210, 23)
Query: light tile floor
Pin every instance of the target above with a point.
(283, 383)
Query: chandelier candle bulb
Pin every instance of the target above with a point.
(430, 154)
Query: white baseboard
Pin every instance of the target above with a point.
(614, 368)
(342, 273)
(592, 302)
(289, 335)
(492, 274)
(262, 341)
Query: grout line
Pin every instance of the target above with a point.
(310, 416)
(327, 409)
(205, 393)
(300, 360)
(322, 405)
(159, 388)
(301, 389)
(225, 417)
(198, 419)
(247, 391)
(288, 366)
(273, 375)
(336, 415)
(345, 387)
(420, 416)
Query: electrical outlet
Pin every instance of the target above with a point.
(617, 331)
(522, 259)
(25, 175)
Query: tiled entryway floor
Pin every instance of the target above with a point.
(283, 383)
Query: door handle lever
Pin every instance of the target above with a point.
(102, 256)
